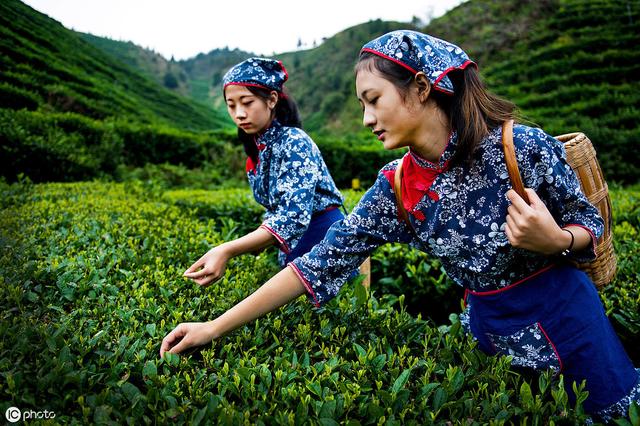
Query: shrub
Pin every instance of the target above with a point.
(91, 281)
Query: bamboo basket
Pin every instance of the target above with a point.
(581, 156)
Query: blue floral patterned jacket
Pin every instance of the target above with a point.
(464, 224)
(291, 181)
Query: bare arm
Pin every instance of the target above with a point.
(278, 291)
(210, 267)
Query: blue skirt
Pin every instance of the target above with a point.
(555, 320)
(318, 226)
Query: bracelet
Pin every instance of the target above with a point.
(566, 251)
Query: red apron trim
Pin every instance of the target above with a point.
(328, 209)
(509, 287)
(552, 345)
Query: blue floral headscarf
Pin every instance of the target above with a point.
(257, 72)
(421, 52)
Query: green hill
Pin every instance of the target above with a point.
(579, 70)
(197, 77)
(46, 67)
(152, 64)
(322, 79)
(570, 65)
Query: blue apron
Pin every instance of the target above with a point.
(554, 319)
(318, 226)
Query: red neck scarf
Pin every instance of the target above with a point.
(416, 182)
(250, 165)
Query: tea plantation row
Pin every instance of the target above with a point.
(91, 281)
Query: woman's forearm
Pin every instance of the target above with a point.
(581, 238)
(253, 241)
(278, 291)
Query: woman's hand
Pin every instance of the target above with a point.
(210, 267)
(187, 335)
(279, 290)
(531, 226)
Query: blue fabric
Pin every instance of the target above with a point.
(464, 227)
(292, 182)
(316, 231)
(261, 72)
(421, 52)
(555, 319)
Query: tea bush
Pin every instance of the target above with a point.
(91, 282)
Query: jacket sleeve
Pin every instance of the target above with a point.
(294, 188)
(372, 223)
(547, 171)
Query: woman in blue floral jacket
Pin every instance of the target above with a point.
(285, 169)
(524, 299)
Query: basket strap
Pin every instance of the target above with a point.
(397, 190)
(510, 160)
(402, 212)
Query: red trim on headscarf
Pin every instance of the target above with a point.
(240, 83)
(234, 83)
(437, 80)
(286, 74)
(382, 55)
(445, 72)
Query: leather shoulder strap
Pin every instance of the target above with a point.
(402, 212)
(397, 189)
(510, 160)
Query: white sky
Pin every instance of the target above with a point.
(188, 27)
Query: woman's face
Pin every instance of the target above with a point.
(394, 120)
(250, 112)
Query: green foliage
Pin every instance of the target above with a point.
(577, 71)
(170, 81)
(67, 147)
(621, 298)
(53, 68)
(354, 156)
(91, 281)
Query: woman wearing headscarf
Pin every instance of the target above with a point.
(525, 299)
(285, 169)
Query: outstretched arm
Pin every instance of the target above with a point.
(211, 266)
(278, 291)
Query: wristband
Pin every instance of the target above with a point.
(566, 251)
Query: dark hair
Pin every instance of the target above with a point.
(286, 112)
(472, 111)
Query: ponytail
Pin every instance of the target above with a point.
(472, 110)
